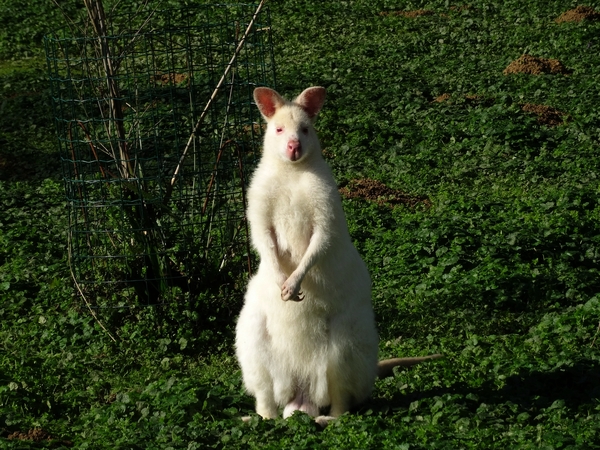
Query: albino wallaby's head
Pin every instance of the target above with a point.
(290, 132)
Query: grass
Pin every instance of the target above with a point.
(501, 273)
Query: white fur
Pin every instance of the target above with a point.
(320, 349)
(306, 336)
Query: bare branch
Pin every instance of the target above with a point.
(171, 185)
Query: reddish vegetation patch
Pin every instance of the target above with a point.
(378, 192)
(535, 66)
(170, 78)
(578, 14)
(546, 114)
(410, 14)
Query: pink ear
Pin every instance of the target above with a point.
(267, 101)
(311, 100)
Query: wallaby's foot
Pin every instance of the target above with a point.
(323, 421)
(266, 407)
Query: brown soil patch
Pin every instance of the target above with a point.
(471, 99)
(474, 99)
(533, 65)
(378, 192)
(442, 98)
(460, 8)
(578, 14)
(36, 435)
(170, 78)
(547, 115)
(409, 14)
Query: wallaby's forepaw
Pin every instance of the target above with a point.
(291, 290)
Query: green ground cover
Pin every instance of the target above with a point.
(501, 272)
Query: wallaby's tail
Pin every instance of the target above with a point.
(385, 368)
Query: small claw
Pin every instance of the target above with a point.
(298, 298)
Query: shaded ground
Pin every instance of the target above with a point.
(378, 192)
(578, 14)
(30, 164)
(533, 65)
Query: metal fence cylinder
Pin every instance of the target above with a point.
(155, 171)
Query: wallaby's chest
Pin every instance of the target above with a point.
(292, 211)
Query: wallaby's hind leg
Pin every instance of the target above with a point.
(352, 362)
(340, 400)
(266, 406)
(254, 352)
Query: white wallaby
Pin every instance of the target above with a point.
(319, 349)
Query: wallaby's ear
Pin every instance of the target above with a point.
(311, 100)
(267, 101)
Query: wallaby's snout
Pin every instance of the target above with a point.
(294, 149)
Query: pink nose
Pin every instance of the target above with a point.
(294, 150)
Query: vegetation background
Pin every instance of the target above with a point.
(498, 269)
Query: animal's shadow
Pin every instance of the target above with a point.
(575, 385)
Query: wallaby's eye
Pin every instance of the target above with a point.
(305, 130)
(279, 130)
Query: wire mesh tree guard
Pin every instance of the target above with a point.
(157, 133)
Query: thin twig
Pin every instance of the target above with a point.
(170, 186)
(243, 189)
(98, 19)
(92, 148)
(69, 21)
(221, 144)
(214, 174)
(137, 34)
(84, 297)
